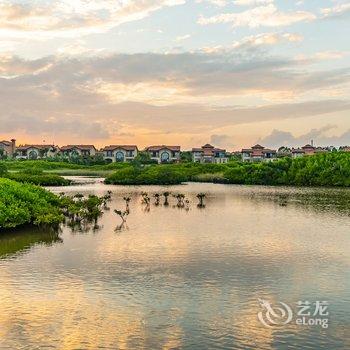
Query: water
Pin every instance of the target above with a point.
(181, 278)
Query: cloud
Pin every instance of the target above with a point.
(252, 2)
(220, 3)
(284, 138)
(195, 77)
(73, 17)
(339, 11)
(110, 95)
(262, 16)
(264, 39)
(221, 141)
(53, 127)
(183, 37)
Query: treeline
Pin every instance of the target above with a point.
(328, 169)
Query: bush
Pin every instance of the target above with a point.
(27, 204)
(3, 169)
(42, 180)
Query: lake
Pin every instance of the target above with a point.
(183, 277)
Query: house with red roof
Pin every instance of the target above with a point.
(78, 150)
(164, 154)
(258, 153)
(119, 153)
(33, 152)
(7, 148)
(209, 154)
(308, 150)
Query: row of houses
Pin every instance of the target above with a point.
(160, 153)
(113, 153)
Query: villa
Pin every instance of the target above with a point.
(78, 150)
(308, 150)
(36, 151)
(120, 153)
(164, 154)
(258, 153)
(209, 154)
(7, 148)
(344, 148)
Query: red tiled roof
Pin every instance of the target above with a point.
(125, 147)
(158, 148)
(257, 152)
(81, 147)
(24, 147)
(208, 150)
(308, 146)
(7, 143)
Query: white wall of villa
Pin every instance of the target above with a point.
(164, 155)
(36, 152)
(120, 155)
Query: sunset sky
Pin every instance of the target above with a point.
(229, 72)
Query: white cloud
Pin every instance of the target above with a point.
(183, 37)
(220, 3)
(252, 2)
(71, 18)
(267, 16)
(267, 39)
(336, 11)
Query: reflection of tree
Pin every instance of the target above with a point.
(20, 240)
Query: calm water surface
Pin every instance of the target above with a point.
(181, 278)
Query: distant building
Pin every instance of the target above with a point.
(36, 151)
(209, 154)
(309, 150)
(164, 154)
(72, 151)
(344, 149)
(258, 153)
(120, 153)
(8, 148)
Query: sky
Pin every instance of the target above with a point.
(179, 72)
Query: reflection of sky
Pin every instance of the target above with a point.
(180, 278)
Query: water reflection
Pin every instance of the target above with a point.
(15, 241)
(171, 278)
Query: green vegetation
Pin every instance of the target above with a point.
(33, 176)
(22, 204)
(326, 169)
